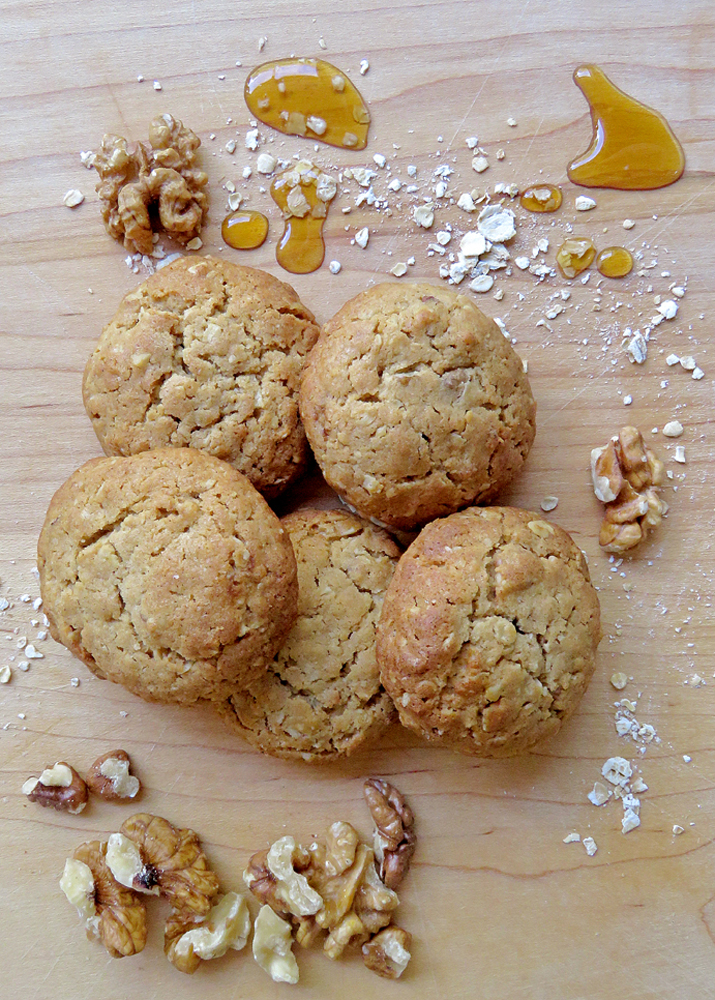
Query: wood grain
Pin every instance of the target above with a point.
(498, 905)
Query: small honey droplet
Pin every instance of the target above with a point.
(303, 194)
(574, 255)
(244, 229)
(633, 147)
(541, 198)
(308, 97)
(614, 262)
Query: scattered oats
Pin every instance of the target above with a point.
(230, 146)
(619, 681)
(21, 715)
(627, 400)
(364, 66)
(617, 770)
(322, 43)
(482, 283)
(630, 821)
(696, 681)
(590, 844)
(362, 176)
(4, 604)
(496, 223)
(21, 642)
(668, 309)
(234, 200)
(677, 830)
(335, 267)
(499, 294)
(362, 237)
(5, 674)
(424, 215)
(316, 124)
(443, 237)
(638, 785)
(687, 758)
(637, 347)
(511, 122)
(679, 455)
(262, 43)
(74, 682)
(411, 170)
(466, 202)
(688, 363)
(572, 838)
(600, 794)
(399, 270)
(33, 654)
(480, 164)
(246, 172)
(379, 159)
(501, 154)
(522, 263)
(584, 204)
(509, 189)
(472, 141)
(195, 244)
(473, 244)
(554, 311)
(673, 429)
(87, 158)
(671, 360)
(395, 184)
(549, 503)
(265, 164)
(252, 139)
(338, 83)
(698, 373)
(73, 198)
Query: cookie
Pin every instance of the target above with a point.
(489, 629)
(168, 573)
(321, 698)
(205, 354)
(415, 404)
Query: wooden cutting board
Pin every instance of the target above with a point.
(498, 905)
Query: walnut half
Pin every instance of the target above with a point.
(388, 952)
(188, 941)
(395, 838)
(109, 777)
(627, 477)
(59, 787)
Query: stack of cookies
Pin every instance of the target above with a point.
(164, 568)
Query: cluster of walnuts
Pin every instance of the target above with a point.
(340, 886)
(142, 183)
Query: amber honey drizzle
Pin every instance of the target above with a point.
(633, 147)
(574, 255)
(244, 229)
(302, 193)
(614, 262)
(308, 97)
(541, 198)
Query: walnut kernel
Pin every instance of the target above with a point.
(109, 777)
(387, 953)
(109, 911)
(59, 787)
(272, 946)
(188, 941)
(395, 839)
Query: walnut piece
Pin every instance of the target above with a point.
(188, 941)
(395, 838)
(292, 888)
(627, 477)
(59, 787)
(138, 181)
(108, 910)
(272, 946)
(109, 777)
(388, 952)
(170, 859)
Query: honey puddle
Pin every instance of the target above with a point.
(614, 262)
(541, 198)
(303, 194)
(244, 229)
(574, 255)
(308, 97)
(633, 147)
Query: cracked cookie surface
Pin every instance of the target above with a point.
(489, 629)
(321, 698)
(168, 573)
(415, 404)
(205, 354)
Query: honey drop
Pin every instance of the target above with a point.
(633, 147)
(303, 194)
(541, 198)
(614, 262)
(244, 229)
(308, 97)
(574, 255)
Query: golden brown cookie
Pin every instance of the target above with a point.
(168, 573)
(415, 404)
(321, 699)
(205, 354)
(489, 629)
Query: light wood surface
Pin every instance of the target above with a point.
(500, 908)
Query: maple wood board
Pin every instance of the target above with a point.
(499, 907)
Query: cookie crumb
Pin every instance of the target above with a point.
(572, 838)
(619, 681)
(590, 844)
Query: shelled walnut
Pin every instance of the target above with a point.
(59, 787)
(151, 856)
(395, 839)
(627, 477)
(140, 181)
(109, 777)
(189, 941)
(111, 912)
(388, 952)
